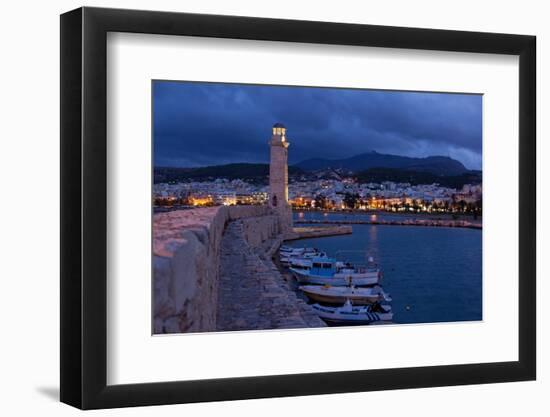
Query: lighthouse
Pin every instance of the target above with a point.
(278, 177)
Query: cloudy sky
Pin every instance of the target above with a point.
(200, 124)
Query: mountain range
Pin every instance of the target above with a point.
(366, 167)
(438, 165)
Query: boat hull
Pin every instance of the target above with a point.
(340, 299)
(335, 316)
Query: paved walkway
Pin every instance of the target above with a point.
(253, 295)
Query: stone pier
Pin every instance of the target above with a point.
(212, 271)
(253, 295)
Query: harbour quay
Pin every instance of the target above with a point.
(405, 222)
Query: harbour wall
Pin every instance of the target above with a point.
(313, 232)
(408, 222)
(186, 262)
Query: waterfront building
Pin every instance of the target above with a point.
(259, 197)
(226, 198)
(200, 200)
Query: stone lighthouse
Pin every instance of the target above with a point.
(278, 178)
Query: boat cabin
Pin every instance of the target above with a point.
(323, 266)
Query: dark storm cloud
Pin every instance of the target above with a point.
(198, 124)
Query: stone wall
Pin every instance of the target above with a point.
(257, 230)
(186, 254)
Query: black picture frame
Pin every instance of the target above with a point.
(84, 207)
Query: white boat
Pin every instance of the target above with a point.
(325, 271)
(286, 256)
(299, 263)
(288, 250)
(290, 259)
(350, 314)
(338, 295)
(305, 263)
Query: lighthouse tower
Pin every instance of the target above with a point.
(278, 177)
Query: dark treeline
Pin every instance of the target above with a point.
(255, 173)
(259, 173)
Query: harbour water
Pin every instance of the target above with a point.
(434, 274)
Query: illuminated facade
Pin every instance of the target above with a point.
(201, 200)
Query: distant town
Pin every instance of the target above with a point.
(339, 193)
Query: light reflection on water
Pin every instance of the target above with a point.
(434, 274)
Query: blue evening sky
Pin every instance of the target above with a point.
(199, 124)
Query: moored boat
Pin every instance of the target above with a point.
(338, 295)
(307, 262)
(350, 314)
(289, 259)
(285, 248)
(325, 271)
(286, 255)
(288, 250)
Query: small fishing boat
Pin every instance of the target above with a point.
(289, 259)
(305, 263)
(289, 250)
(299, 263)
(326, 271)
(338, 295)
(350, 314)
(285, 248)
(285, 255)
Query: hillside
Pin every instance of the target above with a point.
(439, 165)
(250, 172)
